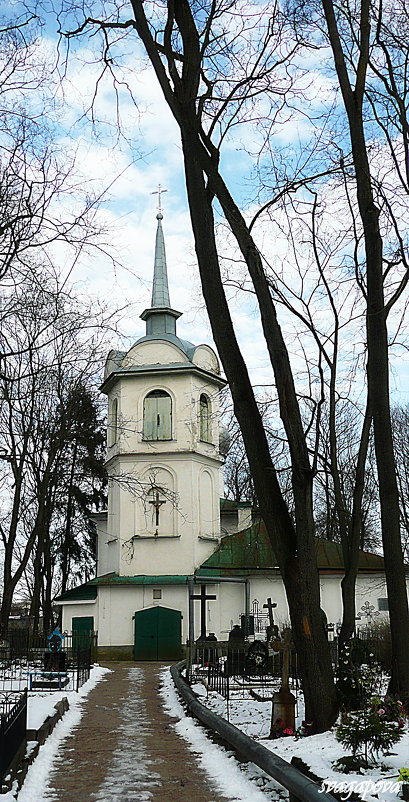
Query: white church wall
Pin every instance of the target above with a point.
(370, 588)
(179, 547)
(231, 604)
(228, 523)
(119, 604)
(83, 609)
(116, 608)
(264, 587)
(184, 389)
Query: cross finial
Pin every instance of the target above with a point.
(158, 192)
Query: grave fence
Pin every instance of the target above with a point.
(23, 661)
(221, 659)
(218, 680)
(13, 729)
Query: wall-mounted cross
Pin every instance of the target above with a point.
(157, 503)
(203, 598)
(158, 192)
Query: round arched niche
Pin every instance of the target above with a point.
(207, 523)
(157, 503)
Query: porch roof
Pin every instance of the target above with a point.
(89, 589)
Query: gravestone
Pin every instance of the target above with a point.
(210, 649)
(55, 659)
(272, 630)
(54, 668)
(247, 625)
(236, 652)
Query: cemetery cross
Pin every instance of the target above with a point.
(203, 598)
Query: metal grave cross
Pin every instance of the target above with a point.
(270, 605)
(157, 503)
(203, 598)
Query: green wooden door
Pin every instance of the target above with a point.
(158, 634)
(81, 632)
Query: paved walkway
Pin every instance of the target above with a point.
(125, 748)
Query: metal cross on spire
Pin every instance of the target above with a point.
(158, 192)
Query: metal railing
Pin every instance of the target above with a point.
(13, 729)
(218, 680)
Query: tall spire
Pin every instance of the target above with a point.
(160, 318)
(160, 288)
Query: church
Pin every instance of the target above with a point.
(175, 559)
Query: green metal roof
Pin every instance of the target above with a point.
(84, 592)
(140, 579)
(229, 505)
(251, 550)
(88, 591)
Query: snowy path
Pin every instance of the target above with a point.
(126, 747)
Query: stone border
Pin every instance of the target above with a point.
(34, 739)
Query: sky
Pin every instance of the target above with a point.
(127, 162)
(146, 154)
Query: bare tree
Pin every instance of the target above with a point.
(33, 441)
(214, 61)
(192, 53)
(368, 46)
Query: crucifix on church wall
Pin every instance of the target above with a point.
(156, 505)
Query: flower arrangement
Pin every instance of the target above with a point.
(278, 729)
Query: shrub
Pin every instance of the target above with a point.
(358, 676)
(367, 732)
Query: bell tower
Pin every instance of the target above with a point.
(163, 457)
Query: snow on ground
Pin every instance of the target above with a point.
(39, 707)
(317, 751)
(242, 782)
(239, 782)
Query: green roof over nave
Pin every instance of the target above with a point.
(251, 550)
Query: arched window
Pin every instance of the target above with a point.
(157, 416)
(113, 423)
(204, 406)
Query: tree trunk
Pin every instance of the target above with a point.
(294, 546)
(350, 548)
(377, 343)
(295, 550)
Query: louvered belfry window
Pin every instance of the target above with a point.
(157, 416)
